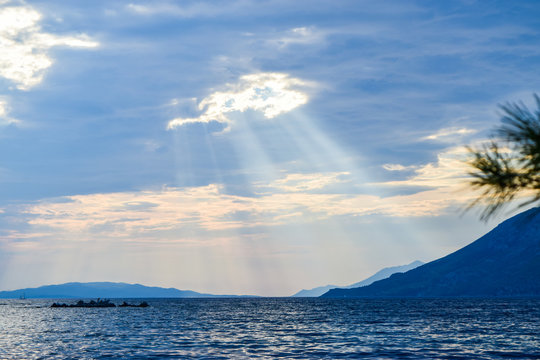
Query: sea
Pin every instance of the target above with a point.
(290, 328)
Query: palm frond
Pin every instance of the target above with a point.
(502, 175)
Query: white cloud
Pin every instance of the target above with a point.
(308, 182)
(151, 10)
(187, 11)
(170, 214)
(4, 113)
(270, 93)
(24, 45)
(3, 109)
(449, 134)
(300, 35)
(397, 167)
(450, 170)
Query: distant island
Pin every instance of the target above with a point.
(379, 275)
(503, 263)
(103, 290)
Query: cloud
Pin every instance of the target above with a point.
(450, 170)
(449, 134)
(272, 94)
(4, 113)
(397, 167)
(300, 35)
(174, 213)
(208, 9)
(24, 45)
(308, 182)
(168, 9)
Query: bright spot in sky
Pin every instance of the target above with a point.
(272, 94)
(396, 167)
(3, 110)
(23, 58)
(449, 134)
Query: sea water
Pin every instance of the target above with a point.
(291, 328)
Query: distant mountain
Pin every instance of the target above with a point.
(318, 291)
(385, 273)
(102, 290)
(379, 275)
(504, 262)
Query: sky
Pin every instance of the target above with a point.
(247, 147)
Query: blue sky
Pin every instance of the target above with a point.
(254, 147)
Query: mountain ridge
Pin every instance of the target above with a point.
(379, 275)
(505, 262)
(104, 289)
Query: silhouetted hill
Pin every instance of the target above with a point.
(315, 292)
(385, 273)
(504, 262)
(379, 275)
(102, 290)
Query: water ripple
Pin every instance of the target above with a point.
(274, 328)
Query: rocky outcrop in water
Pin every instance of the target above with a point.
(125, 304)
(97, 304)
(91, 304)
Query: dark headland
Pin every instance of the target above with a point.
(503, 263)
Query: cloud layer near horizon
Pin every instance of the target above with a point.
(293, 198)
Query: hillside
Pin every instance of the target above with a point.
(504, 262)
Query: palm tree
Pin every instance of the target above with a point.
(510, 163)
